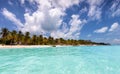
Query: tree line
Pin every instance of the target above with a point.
(18, 38)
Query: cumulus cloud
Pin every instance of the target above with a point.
(101, 30)
(73, 32)
(48, 18)
(114, 30)
(12, 17)
(53, 18)
(94, 9)
(32, 22)
(75, 23)
(113, 36)
(45, 19)
(114, 26)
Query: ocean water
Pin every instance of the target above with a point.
(61, 60)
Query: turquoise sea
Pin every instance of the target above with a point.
(61, 60)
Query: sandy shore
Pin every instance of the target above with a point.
(30, 46)
(24, 46)
(36, 46)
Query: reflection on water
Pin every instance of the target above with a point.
(61, 60)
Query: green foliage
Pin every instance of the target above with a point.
(14, 38)
(4, 35)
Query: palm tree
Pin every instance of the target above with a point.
(51, 40)
(23, 39)
(61, 40)
(4, 33)
(45, 41)
(14, 37)
(19, 37)
(40, 39)
(27, 38)
(34, 39)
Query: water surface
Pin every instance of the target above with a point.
(61, 60)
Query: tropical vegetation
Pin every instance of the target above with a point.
(18, 38)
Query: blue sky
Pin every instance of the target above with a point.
(96, 20)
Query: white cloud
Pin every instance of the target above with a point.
(113, 36)
(44, 20)
(116, 41)
(62, 4)
(70, 33)
(75, 24)
(115, 8)
(48, 17)
(22, 1)
(83, 10)
(116, 13)
(65, 3)
(10, 3)
(9, 15)
(114, 30)
(33, 22)
(101, 30)
(53, 18)
(94, 12)
(94, 9)
(89, 35)
(114, 26)
(95, 2)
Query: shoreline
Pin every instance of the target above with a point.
(24, 46)
(34, 46)
(37, 46)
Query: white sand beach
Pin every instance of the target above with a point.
(24, 46)
(37, 46)
(31, 46)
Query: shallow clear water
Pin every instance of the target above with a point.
(61, 60)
